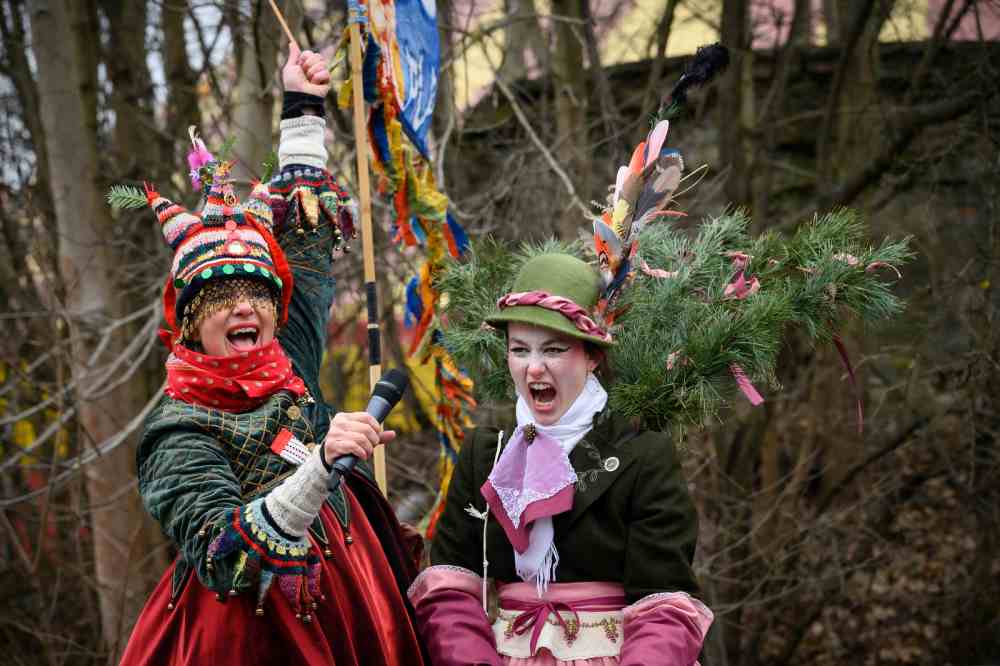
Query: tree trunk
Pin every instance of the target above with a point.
(571, 107)
(730, 504)
(17, 232)
(732, 100)
(64, 33)
(831, 18)
(617, 141)
(772, 108)
(182, 82)
(132, 96)
(849, 131)
(858, 123)
(656, 88)
(523, 39)
(19, 68)
(261, 41)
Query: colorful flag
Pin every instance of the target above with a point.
(400, 73)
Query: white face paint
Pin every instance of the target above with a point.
(549, 369)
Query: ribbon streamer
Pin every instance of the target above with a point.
(845, 359)
(745, 386)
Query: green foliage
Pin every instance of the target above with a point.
(126, 196)
(268, 166)
(223, 153)
(679, 336)
(474, 287)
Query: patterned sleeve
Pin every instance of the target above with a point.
(188, 486)
(313, 217)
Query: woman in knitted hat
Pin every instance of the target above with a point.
(589, 529)
(234, 461)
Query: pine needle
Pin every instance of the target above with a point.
(227, 147)
(268, 166)
(126, 197)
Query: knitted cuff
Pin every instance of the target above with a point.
(302, 142)
(248, 552)
(293, 104)
(295, 503)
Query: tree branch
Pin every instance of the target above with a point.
(916, 121)
(825, 135)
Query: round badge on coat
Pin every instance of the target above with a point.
(611, 464)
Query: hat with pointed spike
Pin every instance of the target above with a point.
(227, 239)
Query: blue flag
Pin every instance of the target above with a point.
(420, 55)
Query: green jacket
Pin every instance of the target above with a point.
(196, 464)
(632, 521)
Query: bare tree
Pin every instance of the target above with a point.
(68, 104)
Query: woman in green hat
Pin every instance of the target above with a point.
(579, 510)
(589, 528)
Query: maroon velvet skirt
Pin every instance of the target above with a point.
(363, 619)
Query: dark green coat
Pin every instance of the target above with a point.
(632, 523)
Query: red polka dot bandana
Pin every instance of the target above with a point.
(236, 383)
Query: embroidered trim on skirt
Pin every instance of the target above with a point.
(574, 623)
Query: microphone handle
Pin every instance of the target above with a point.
(378, 407)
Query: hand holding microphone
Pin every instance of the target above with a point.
(354, 435)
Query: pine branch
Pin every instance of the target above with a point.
(268, 166)
(222, 154)
(126, 197)
(681, 334)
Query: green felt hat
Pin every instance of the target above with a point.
(557, 275)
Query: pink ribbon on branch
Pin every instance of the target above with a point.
(842, 350)
(739, 287)
(658, 272)
(745, 386)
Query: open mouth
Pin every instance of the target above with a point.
(542, 394)
(243, 338)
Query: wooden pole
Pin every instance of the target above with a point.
(284, 24)
(367, 239)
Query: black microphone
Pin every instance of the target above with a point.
(388, 391)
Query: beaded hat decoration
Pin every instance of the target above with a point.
(226, 240)
(219, 295)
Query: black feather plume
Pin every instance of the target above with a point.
(708, 62)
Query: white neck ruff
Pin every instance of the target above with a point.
(538, 563)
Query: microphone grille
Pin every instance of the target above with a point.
(392, 385)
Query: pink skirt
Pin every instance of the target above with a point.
(574, 624)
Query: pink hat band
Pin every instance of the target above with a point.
(564, 306)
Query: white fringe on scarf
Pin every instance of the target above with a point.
(538, 563)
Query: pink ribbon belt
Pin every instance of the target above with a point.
(535, 613)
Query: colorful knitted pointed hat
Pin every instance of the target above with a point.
(227, 239)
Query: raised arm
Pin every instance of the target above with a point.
(313, 215)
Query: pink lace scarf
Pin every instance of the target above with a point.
(534, 480)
